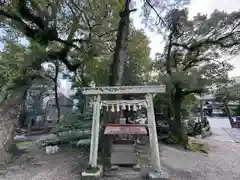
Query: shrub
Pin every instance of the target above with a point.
(171, 139)
(74, 122)
(237, 111)
(71, 129)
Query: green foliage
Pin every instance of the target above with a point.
(23, 145)
(95, 69)
(63, 29)
(72, 129)
(189, 101)
(66, 137)
(156, 12)
(172, 140)
(184, 140)
(188, 63)
(18, 67)
(192, 61)
(231, 90)
(74, 122)
(237, 111)
(175, 140)
(137, 70)
(193, 128)
(12, 62)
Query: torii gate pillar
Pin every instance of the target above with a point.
(148, 91)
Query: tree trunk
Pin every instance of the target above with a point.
(56, 90)
(116, 71)
(225, 103)
(177, 128)
(85, 106)
(176, 124)
(201, 110)
(22, 118)
(10, 112)
(29, 128)
(120, 52)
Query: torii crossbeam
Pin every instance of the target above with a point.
(148, 91)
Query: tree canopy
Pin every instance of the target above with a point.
(189, 63)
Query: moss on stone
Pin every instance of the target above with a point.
(91, 169)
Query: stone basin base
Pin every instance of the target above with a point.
(93, 176)
(157, 176)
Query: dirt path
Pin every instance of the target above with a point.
(222, 162)
(35, 165)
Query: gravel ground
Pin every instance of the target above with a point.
(222, 163)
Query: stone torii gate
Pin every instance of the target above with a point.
(148, 91)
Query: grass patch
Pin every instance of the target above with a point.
(173, 140)
(186, 143)
(195, 146)
(23, 144)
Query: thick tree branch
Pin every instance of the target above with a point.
(29, 32)
(193, 91)
(28, 15)
(62, 55)
(45, 34)
(194, 60)
(219, 41)
(107, 33)
(22, 82)
(19, 23)
(169, 53)
(159, 18)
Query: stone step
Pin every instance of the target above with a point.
(124, 174)
(140, 147)
(142, 151)
(120, 172)
(122, 178)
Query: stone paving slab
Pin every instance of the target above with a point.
(219, 122)
(234, 133)
(220, 134)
